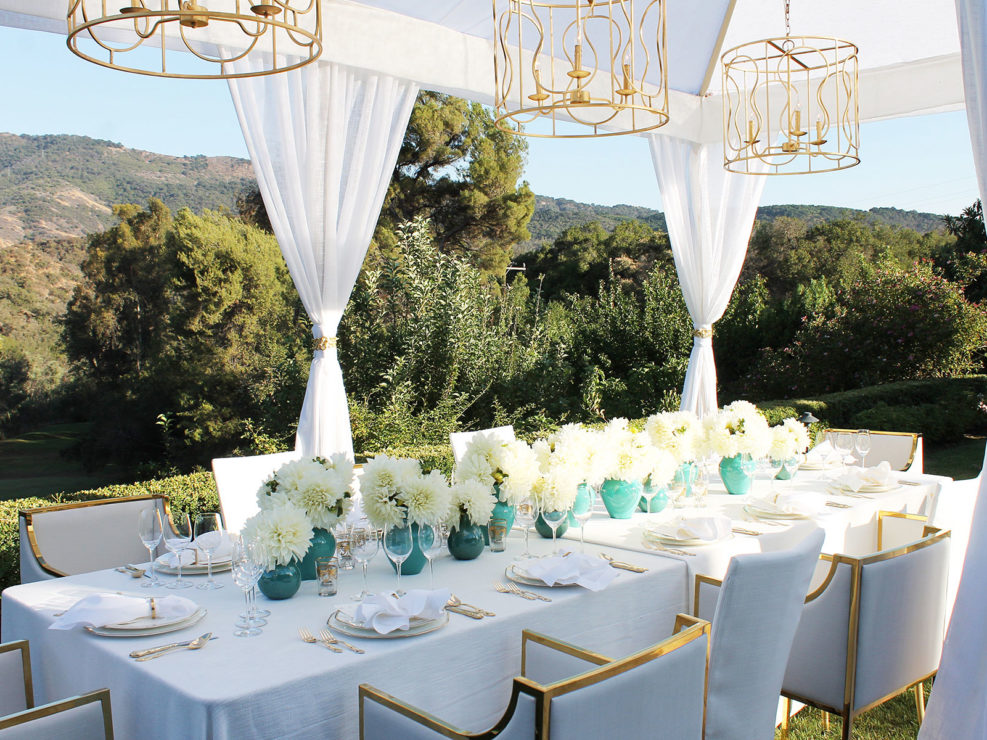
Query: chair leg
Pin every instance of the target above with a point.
(920, 701)
(847, 726)
(825, 721)
(786, 716)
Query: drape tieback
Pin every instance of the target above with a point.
(324, 343)
(703, 332)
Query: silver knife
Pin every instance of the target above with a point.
(170, 646)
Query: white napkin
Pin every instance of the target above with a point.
(576, 567)
(802, 503)
(858, 478)
(385, 613)
(194, 555)
(99, 610)
(708, 528)
(822, 454)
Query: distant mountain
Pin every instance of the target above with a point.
(58, 187)
(554, 215)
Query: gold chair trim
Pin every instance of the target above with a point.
(47, 710)
(25, 649)
(914, 435)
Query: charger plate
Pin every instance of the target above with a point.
(341, 621)
(145, 627)
(193, 570)
(519, 575)
(676, 542)
(756, 511)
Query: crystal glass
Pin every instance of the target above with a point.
(676, 491)
(177, 541)
(525, 514)
(588, 513)
(554, 519)
(246, 570)
(700, 485)
(776, 466)
(150, 531)
(844, 445)
(430, 542)
(861, 443)
(208, 538)
(749, 466)
(364, 544)
(649, 492)
(398, 546)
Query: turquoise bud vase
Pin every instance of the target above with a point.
(620, 497)
(466, 541)
(281, 582)
(735, 479)
(658, 503)
(581, 505)
(541, 526)
(416, 560)
(323, 545)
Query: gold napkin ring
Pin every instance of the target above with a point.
(154, 609)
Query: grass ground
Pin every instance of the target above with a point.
(896, 719)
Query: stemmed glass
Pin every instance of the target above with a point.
(776, 465)
(648, 491)
(749, 466)
(676, 491)
(844, 445)
(364, 544)
(398, 545)
(700, 484)
(208, 538)
(177, 541)
(430, 542)
(587, 513)
(525, 514)
(554, 519)
(150, 531)
(246, 572)
(861, 443)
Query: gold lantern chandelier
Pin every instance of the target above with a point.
(196, 39)
(790, 105)
(598, 63)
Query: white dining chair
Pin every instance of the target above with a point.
(901, 450)
(755, 611)
(83, 536)
(238, 480)
(566, 693)
(460, 440)
(85, 717)
(16, 686)
(874, 627)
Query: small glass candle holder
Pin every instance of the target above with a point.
(327, 575)
(343, 551)
(498, 535)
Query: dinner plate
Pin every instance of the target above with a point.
(193, 570)
(341, 621)
(519, 575)
(690, 542)
(756, 511)
(870, 488)
(819, 465)
(134, 629)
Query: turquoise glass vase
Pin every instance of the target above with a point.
(541, 526)
(466, 541)
(736, 480)
(323, 545)
(281, 582)
(620, 497)
(416, 560)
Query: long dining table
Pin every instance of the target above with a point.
(277, 686)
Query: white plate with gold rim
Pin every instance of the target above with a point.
(867, 489)
(146, 627)
(519, 575)
(810, 466)
(756, 511)
(340, 620)
(196, 569)
(687, 542)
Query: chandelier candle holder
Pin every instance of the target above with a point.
(196, 39)
(790, 105)
(598, 63)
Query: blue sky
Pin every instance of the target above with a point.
(923, 163)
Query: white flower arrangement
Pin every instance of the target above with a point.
(519, 464)
(788, 439)
(509, 464)
(662, 465)
(471, 499)
(579, 448)
(394, 490)
(557, 483)
(678, 432)
(738, 429)
(281, 534)
(624, 453)
(322, 488)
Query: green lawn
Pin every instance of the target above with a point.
(960, 460)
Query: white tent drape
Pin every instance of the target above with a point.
(323, 141)
(709, 213)
(958, 704)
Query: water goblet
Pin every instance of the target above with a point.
(430, 542)
(150, 531)
(177, 541)
(554, 519)
(525, 514)
(208, 538)
(776, 465)
(676, 491)
(364, 544)
(843, 445)
(861, 443)
(398, 545)
(749, 467)
(648, 491)
(700, 484)
(586, 514)
(246, 572)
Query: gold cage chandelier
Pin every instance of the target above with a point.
(599, 63)
(196, 39)
(790, 105)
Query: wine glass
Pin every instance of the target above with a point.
(648, 491)
(676, 491)
(861, 442)
(587, 513)
(177, 541)
(776, 465)
(430, 542)
(246, 572)
(844, 445)
(749, 467)
(364, 544)
(398, 545)
(150, 531)
(525, 514)
(208, 538)
(700, 484)
(554, 519)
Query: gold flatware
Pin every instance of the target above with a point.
(622, 565)
(838, 506)
(504, 589)
(169, 646)
(197, 644)
(456, 603)
(330, 639)
(848, 494)
(310, 638)
(748, 532)
(670, 550)
(514, 587)
(130, 571)
(911, 483)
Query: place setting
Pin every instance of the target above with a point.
(124, 615)
(865, 482)
(682, 531)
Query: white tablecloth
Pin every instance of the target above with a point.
(276, 686)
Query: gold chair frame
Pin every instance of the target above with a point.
(46, 710)
(914, 435)
(543, 694)
(25, 649)
(28, 516)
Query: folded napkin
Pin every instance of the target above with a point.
(99, 610)
(575, 567)
(822, 454)
(858, 478)
(195, 555)
(385, 613)
(802, 503)
(708, 528)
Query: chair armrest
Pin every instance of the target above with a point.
(548, 660)
(406, 713)
(704, 599)
(685, 621)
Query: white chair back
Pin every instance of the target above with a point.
(756, 616)
(237, 482)
(16, 689)
(80, 718)
(901, 450)
(459, 440)
(381, 723)
(80, 537)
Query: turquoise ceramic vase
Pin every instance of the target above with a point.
(416, 560)
(734, 478)
(466, 541)
(581, 505)
(282, 582)
(541, 526)
(658, 503)
(620, 497)
(323, 546)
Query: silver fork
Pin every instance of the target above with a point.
(309, 637)
(327, 637)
